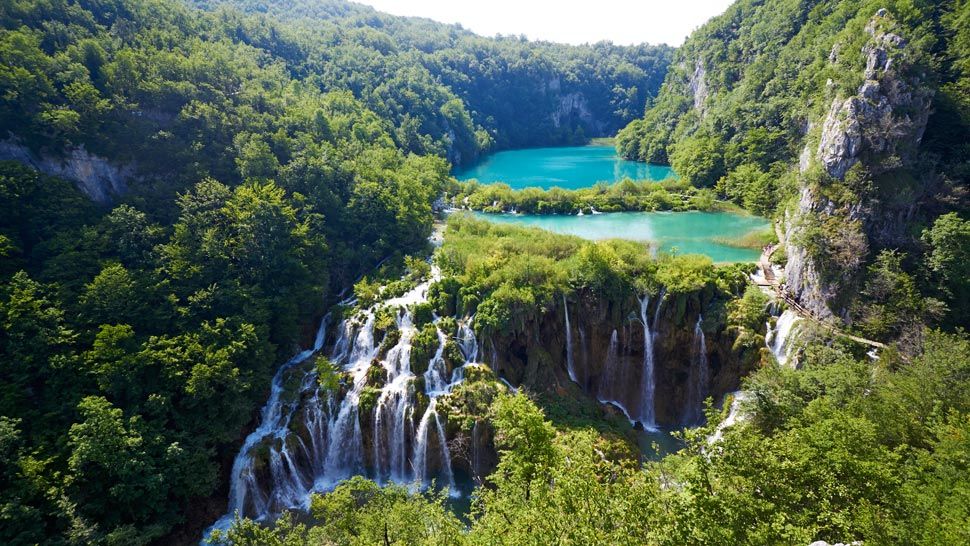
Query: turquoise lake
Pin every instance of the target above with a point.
(681, 232)
(569, 167)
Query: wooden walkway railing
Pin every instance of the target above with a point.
(771, 281)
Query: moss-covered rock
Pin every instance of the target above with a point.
(422, 314)
(385, 320)
(424, 345)
(368, 399)
(452, 355)
(376, 374)
(391, 338)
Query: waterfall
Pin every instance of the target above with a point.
(467, 341)
(647, 415)
(656, 312)
(569, 344)
(734, 416)
(614, 379)
(779, 338)
(699, 377)
(436, 378)
(278, 468)
(421, 447)
(274, 416)
(476, 450)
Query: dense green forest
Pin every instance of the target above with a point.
(220, 173)
(521, 93)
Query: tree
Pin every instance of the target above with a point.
(948, 263)
(699, 159)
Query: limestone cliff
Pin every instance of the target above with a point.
(99, 179)
(877, 131)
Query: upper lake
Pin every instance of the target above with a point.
(569, 167)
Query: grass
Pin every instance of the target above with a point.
(602, 141)
(753, 239)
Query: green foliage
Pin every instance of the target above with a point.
(423, 313)
(892, 307)
(368, 399)
(626, 195)
(328, 374)
(510, 276)
(751, 187)
(948, 262)
(684, 273)
(524, 439)
(424, 345)
(699, 160)
(747, 316)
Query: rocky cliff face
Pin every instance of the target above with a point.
(98, 178)
(698, 85)
(604, 346)
(575, 105)
(879, 128)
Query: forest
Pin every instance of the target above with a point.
(191, 191)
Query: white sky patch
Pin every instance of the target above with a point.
(623, 22)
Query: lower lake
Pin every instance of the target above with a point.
(708, 233)
(570, 167)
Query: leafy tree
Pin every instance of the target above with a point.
(949, 262)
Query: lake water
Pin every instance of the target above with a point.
(569, 167)
(683, 232)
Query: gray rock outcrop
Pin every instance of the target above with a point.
(880, 126)
(99, 179)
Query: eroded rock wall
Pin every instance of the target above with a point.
(99, 179)
(879, 128)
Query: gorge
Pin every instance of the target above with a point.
(299, 272)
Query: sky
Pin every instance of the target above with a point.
(623, 22)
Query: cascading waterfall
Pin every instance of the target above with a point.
(467, 341)
(274, 418)
(280, 463)
(734, 416)
(699, 376)
(615, 377)
(570, 364)
(476, 450)
(647, 416)
(421, 447)
(436, 378)
(778, 339)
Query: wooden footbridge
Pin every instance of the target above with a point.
(770, 280)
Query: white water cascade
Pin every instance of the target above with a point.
(421, 447)
(734, 416)
(570, 364)
(615, 378)
(647, 416)
(274, 418)
(780, 338)
(285, 459)
(699, 377)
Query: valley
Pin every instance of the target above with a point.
(299, 272)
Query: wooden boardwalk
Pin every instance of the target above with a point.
(771, 281)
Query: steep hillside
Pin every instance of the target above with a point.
(847, 120)
(522, 93)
